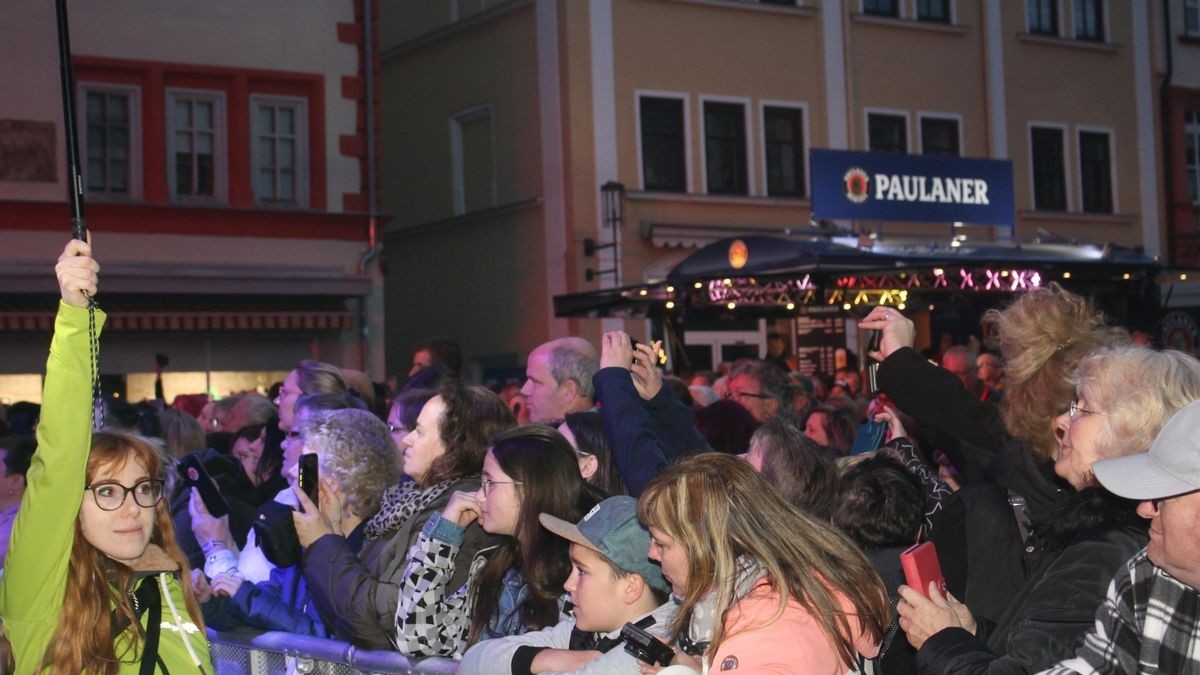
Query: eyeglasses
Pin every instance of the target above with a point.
(397, 430)
(1077, 410)
(739, 394)
(110, 495)
(487, 483)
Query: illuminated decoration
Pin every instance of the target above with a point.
(732, 305)
(738, 254)
(670, 304)
(1183, 277)
(643, 292)
(1125, 276)
(1066, 275)
(891, 289)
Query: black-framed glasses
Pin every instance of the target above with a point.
(739, 394)
(487, 483)
(1076, 410)
(110, 495)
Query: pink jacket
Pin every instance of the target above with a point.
(792, 644)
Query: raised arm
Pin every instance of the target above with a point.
(42, 535)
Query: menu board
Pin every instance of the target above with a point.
(818, 337)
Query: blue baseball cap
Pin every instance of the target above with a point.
(612, 529)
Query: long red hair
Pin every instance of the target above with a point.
(95, 592)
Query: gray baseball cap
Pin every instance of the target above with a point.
(612, 529)
(1171, 466)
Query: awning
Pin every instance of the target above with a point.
(43, 321)
(192, 279)
(773, 273)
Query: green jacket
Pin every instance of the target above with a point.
(35, 575)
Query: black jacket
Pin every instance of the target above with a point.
(1073, 553)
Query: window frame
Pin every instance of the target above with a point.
(1102, 17)
(898, 4)
(300, 122)
(748, 146)
(458, 170)
(1066, 164)
(1111, 133)
(1059, 23)
(951, 14)
(889, 112)
(1192, 129)
(923, 115)
(135, 178)
(805, 138)
(218, 97)
(1195, 6)
(686, 105)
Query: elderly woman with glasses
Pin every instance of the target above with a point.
(94, 579)
(1123, 397)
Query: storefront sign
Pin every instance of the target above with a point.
(890, 186)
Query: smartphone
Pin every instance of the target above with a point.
(921, 566)
(194, 475)
(873, 345)
(309, 477)
(869, 437)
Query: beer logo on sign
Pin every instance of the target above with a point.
(738, 254)
(858, 185)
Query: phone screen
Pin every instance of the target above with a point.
(309, 479)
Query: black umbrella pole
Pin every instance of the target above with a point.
(74, 172)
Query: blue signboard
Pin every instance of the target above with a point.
(892, 186)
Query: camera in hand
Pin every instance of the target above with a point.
(645, 647)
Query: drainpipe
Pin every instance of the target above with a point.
(373, 248)
(1164, 93)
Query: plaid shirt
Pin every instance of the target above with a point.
(1149, 623)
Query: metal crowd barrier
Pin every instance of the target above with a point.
(249, 652)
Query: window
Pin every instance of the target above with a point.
(1095, 171)
(280, 152)
(473, 160)
(933, 10)
(1089, 20)
(1042, 16)
(196, 155)
(881, 7)
(725, 148)
(1049, 170)
(1191, 135)
(783, 147)
(939, 136)
(110, 140)
(1191, 17)
(662, 144)
(887, 133)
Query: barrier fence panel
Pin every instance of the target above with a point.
(248, 652)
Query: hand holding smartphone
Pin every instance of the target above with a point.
(194, 475)
(921, 566)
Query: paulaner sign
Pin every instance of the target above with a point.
(890, 186)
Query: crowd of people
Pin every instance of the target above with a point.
(750, 520)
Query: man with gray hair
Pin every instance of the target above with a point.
(760, 387)
(1150, 621)
(558, 379)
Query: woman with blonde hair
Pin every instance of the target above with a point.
(761, 586)
(1123, 397)
(94, 579)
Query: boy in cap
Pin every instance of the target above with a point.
(612, 583)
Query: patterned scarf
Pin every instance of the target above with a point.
(401, 502)
(705, 614)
